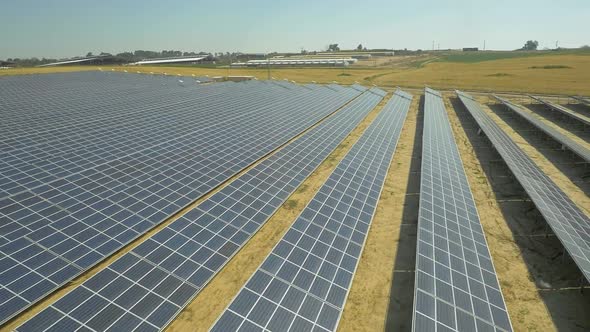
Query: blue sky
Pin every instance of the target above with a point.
(64, 28)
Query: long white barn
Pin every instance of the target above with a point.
(297, 62)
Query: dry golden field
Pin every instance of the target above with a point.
(564, 74)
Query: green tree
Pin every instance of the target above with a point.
(531, 45)
(360, 47)
(333, 48)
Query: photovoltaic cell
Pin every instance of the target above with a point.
(172, 266)
(562, 139)
(55, 227)
(456, 288)
(568, 222)
(303, 284)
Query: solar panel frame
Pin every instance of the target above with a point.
(456, 287)
(332, 131)
(300, 305)
(563, 110)
(567, 221)
(582, 100)
(565, 141)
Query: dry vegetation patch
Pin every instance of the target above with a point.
(503, 75)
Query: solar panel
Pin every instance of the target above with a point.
(562, 139)
(303, 284)
(54, 154)
(65, 223)
(173, 265)
(44, 96)
(456, 288)
(582, 99)
(564, 110)
(568, 222)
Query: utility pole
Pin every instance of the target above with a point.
(433, 45)
(484, 44)
(557, 44)
(268, 66)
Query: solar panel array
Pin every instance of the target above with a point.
(564, 110)
(90, 161)
(456, 288)
(148, 286)
(582, 99)
(562, 139)
(303, 284)
(566, 219)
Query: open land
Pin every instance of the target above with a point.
(540, 285)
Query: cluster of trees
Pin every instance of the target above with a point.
(333, 48)
(336, 48)
(533, 45)
(530, 45)
(30, 62)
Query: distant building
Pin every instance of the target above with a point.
(290, 62)
(470, 49)
(7, 64)
(189, 60)
(96, 61)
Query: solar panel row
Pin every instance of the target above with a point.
(456, 288)
(60, 153)
(562, 139)
(37, 132)
(302, 285)
(62, 227)
(582, 99)
(148, 286)
(568, 222)
(29, 101)
(564, 110)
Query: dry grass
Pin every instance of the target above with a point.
(508, 75)
(45, 70)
